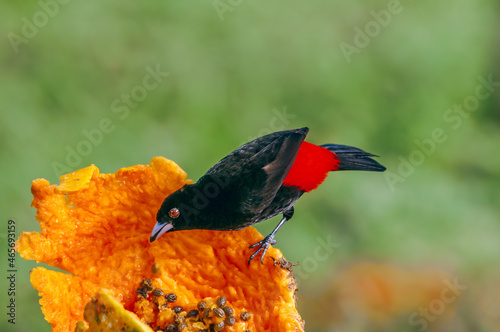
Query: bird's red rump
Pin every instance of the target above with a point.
(311, 167)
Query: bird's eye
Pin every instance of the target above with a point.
(174, 213)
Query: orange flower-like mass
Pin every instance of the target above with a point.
(97, 227)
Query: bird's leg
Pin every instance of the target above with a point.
(268, 240)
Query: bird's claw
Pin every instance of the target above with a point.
(263, 246)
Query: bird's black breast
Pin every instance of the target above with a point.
(228, 205)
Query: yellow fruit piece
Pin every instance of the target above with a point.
(77, 180)
(105, 313)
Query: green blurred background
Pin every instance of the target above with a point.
(241, 69)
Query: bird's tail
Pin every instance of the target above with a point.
(354, 159)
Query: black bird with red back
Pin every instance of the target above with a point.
(257, 181)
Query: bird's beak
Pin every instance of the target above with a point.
(159, 230)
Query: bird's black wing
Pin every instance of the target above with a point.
(253, 173)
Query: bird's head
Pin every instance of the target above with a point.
(173, 215)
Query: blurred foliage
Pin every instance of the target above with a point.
(230, 75)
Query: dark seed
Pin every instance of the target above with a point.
(245, 315)
(206, 313)
(141, 292)
(230, 321)
(170, 328)
(158, 292)
(181, 326)
(221, 301)
(171, 297)
(177, 309)
(218, 312)
(219, 326)
(228, 311)
(202, 305)
(192, 313)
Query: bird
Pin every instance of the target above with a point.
(259, 180)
